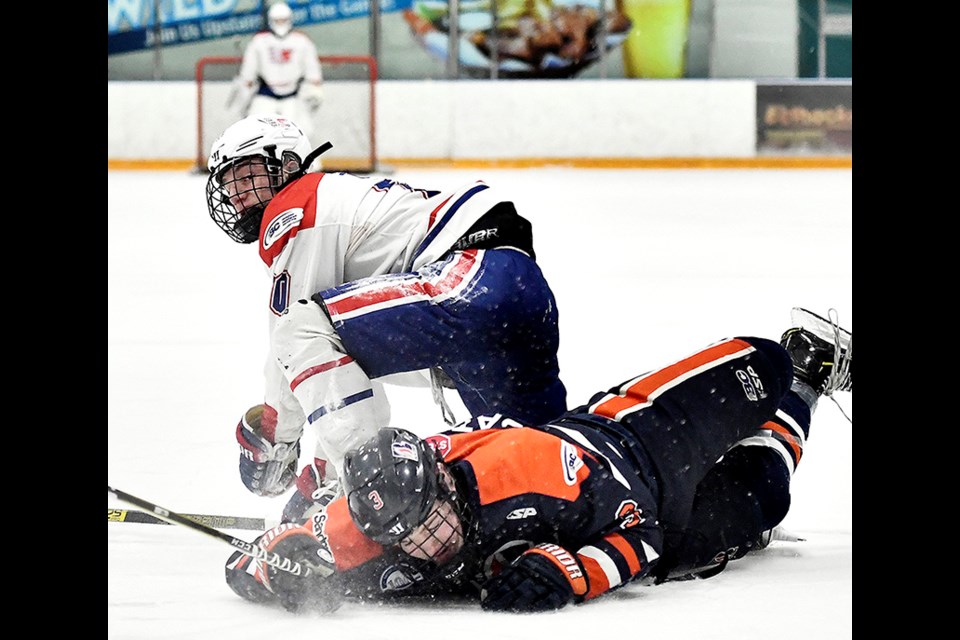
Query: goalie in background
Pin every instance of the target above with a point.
(669, 475)
(280, 74)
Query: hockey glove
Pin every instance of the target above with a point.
(266, 468)
(312, 95)
(315, 592)
(544, 578)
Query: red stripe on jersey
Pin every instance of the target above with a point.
(433, 214)
(626, 550)
(451, 277)
(788, 436)
(648, 387)
(300, 193)
(320, 368)
(349, 546)
(596, 577)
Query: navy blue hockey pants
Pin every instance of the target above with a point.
(486, 317)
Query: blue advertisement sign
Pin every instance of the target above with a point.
(134, 25)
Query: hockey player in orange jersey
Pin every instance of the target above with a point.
(672, 473)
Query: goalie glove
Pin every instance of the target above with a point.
(266, 468)
(241, 94)
(312, 95)
(544, 578)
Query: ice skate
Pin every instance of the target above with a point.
(822, 352)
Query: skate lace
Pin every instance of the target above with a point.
(839, 378)
(327, 492)
(440, 400)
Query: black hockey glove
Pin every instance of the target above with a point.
(544, 578)
(317, 592)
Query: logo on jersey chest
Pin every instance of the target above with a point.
(280, 55)
(281, 224)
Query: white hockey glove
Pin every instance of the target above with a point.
(266, 468)
(312, 95)
(241, 93)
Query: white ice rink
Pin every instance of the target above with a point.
(646, 265)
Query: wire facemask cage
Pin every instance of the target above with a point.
(280, 19)
(238, 194)
(434, 563)
(444, 527)
(249, 164)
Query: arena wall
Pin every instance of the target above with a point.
(600, 122)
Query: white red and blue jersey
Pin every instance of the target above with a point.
(280, 63)
(326, 229)
(377, 255)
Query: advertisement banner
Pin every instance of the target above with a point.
(135, 25)
(805, 118)
(521, 38)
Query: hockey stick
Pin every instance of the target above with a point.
(257, 553)
(217, 522)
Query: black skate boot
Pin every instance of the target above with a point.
(821, 351)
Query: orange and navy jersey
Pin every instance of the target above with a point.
(555, 491)
(604, 480)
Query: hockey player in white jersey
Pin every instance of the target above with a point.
(280, 72)
(372, 277)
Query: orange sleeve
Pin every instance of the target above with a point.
(349, 546)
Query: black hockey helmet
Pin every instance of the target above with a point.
(391, 483)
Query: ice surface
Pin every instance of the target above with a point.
(647, 266)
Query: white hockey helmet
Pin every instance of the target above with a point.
(235, 201)
(280, 19)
